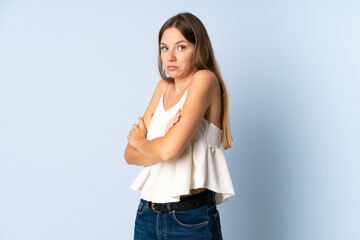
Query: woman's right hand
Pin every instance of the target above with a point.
(173, 121)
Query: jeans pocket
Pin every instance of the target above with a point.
(141, 208)
(193, 218)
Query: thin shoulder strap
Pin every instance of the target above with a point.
(183, 98)
(166, 88)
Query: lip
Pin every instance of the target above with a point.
(171, 68)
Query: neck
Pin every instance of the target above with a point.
(181, 84)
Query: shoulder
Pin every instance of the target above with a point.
(161, 86)
(205, 80)
(205, 75)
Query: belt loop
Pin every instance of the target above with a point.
(168, 207)
(213, 195)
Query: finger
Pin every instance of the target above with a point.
(134, 126)
(173, 121)
(178, 114)
(141, 122)
(175, 118)
(168, 127)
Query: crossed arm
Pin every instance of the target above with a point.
(141, 151)
(132, 156)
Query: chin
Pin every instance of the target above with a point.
(173, 75)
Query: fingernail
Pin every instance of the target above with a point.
(178, 115)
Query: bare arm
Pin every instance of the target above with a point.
(175, 140)
(132, 156)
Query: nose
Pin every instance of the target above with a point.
(171, 57)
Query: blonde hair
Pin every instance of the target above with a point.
(195, 32)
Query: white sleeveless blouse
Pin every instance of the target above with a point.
(202, 164)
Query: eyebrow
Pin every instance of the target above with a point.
(175, 43)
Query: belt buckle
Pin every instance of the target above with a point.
(152, 206)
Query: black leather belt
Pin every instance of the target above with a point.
(188, 202)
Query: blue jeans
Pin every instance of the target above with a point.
(201, 223)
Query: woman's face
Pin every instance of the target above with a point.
(176, 53)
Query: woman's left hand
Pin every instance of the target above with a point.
(139, 132)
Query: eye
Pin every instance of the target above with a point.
(181, 47)
(164, 48)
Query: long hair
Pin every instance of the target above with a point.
(195, 32)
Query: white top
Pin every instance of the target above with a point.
(202, 164)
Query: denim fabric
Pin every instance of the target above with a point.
(201, 223)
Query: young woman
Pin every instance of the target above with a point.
(178, 139)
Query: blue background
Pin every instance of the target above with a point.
(74, 76)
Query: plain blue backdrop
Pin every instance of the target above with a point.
(74, 76)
